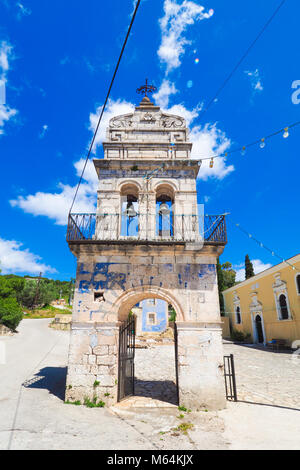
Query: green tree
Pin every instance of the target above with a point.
(38, 293)
(10, 312)
(11, 286)
(249, 271)
(228, 275)
(226, 278)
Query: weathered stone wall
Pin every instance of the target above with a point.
(93, 357)
(187, 281)
(200, 365)
(127, 275)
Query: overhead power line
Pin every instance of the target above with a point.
(105, 102)
(242, 59)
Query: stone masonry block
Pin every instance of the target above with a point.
(105, 340)
(106, 360)
(92, 359)
(102, 350)
(106, 380)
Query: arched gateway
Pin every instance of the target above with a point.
(146, 240)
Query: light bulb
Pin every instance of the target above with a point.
(286, 132)
(262, 143)
(211, 163)
(243, 151)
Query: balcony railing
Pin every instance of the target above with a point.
(142, 227)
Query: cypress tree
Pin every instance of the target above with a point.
(249, 271)
(220, 286)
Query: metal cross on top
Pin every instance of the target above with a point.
(146, 88)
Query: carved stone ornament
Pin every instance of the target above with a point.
(148, 117)
(172, 121)
(121, 121)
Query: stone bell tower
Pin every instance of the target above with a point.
(148, 239)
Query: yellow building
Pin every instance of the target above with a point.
(267, 305)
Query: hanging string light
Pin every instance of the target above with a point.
(262, 143)
(211, 163)
(273, 253)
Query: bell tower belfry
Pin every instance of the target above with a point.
(148, 239)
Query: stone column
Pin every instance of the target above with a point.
(93, 362)
(200, 365)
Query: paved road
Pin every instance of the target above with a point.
(34, 416)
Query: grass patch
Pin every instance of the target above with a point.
(184, 427)
(45, 312)
(182, 408)
(77, 402)
(93, 403)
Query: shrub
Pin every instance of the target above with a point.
(239, 336)
(10, 312)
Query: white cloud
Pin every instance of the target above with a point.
(14, 259)
(176, 19)
(5, 52)
(113, 108)
(208, 141)
(56, 206)
(162, 96)
(258, 267)
(6, 112)
(43, 131)
(255, 79)
(22, 11)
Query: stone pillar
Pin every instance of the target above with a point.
(200, 365)
(93, 358)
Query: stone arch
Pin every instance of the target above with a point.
(131, 297)
(165, 187)
(129, 186)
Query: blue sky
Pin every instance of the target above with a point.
(56, 61)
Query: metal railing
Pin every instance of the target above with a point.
(179, 228)
(229, 376)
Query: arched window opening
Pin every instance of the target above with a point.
(164, 212)
(298, 283)
(129, 211)
(238, 315)
(284, 313)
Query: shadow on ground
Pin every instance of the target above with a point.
(259, 347)
(52, 379)
(163, 390)
(272, 405)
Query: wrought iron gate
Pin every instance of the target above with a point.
(176, 361)
(229, 376)
(126, 359)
